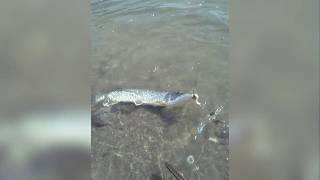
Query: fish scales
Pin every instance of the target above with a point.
(139, 96)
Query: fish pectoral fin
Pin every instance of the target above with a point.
(138, 102)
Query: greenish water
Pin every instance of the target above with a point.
(161, 45)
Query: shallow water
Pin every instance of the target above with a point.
(161, 45)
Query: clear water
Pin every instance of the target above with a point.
(161, 45)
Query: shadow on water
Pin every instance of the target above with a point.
(167, 115)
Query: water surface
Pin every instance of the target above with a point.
(161, 45)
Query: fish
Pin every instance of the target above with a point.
(178, 175)
(147, 97)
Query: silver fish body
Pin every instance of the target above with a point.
(147, 97)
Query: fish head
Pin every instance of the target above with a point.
(178, 99)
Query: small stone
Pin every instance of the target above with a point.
(190, 159)
(215, 140)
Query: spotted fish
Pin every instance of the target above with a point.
(147, 97)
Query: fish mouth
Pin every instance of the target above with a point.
(196, 98)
